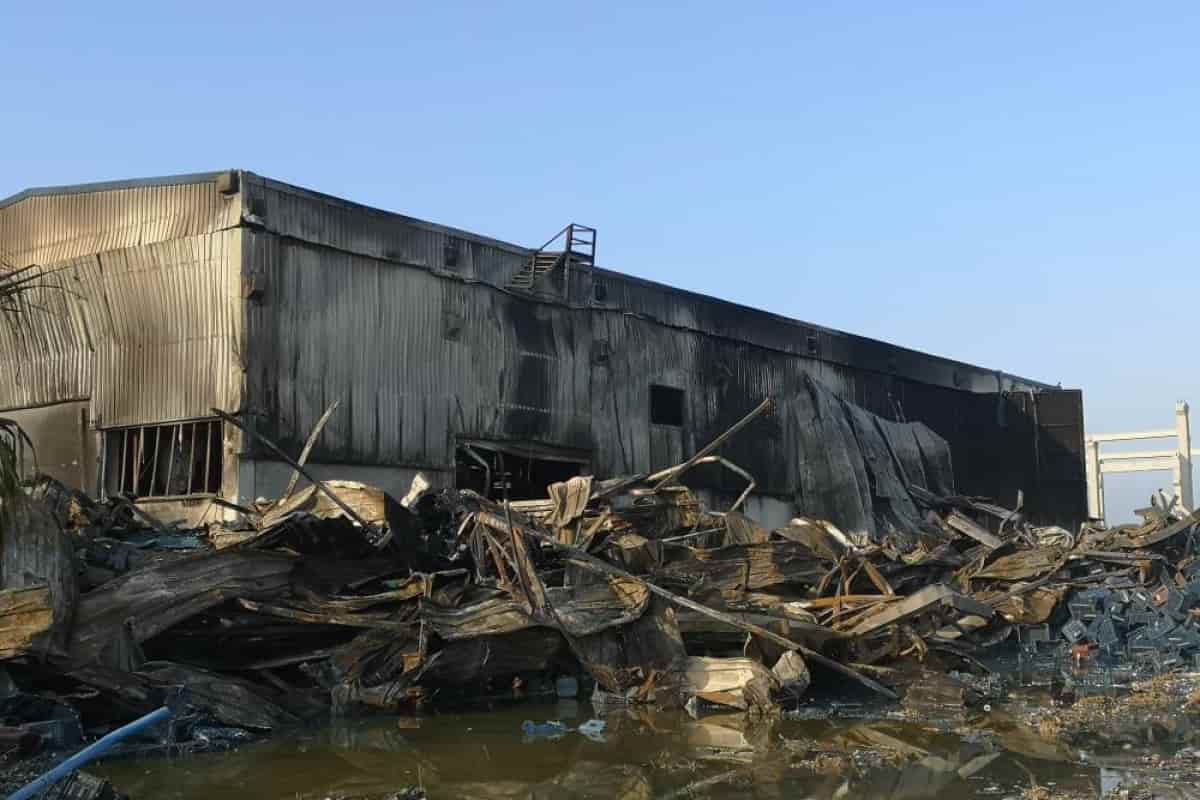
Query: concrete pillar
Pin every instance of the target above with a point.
(1095, 480)
(1183, 471)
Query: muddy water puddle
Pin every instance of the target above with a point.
(494, 754)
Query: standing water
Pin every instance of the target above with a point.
(630, 754)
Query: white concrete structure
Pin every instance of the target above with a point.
(1178, 460)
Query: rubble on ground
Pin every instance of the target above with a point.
(338, 599)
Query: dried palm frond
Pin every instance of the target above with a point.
(16, 284)
(14, 444)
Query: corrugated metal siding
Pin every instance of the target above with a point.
(171, 348)
(416, 359)
(149, 333)
(335, 223)
(47, 229)
(320, 219)
(45, 355)
(722, 380)
(690, 311)
(144, 318)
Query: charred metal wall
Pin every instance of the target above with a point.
(415, 359)
(234, 291)
(365, 308)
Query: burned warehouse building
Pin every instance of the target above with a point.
(477, 363)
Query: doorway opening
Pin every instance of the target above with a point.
(514, 471)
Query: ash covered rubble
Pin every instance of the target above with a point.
(339, 599)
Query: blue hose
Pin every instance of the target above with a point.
(92, 751)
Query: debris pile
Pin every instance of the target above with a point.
(1131, 593)
(337, 598)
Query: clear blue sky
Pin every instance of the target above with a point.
(1011, 184)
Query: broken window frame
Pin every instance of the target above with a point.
(133, 455)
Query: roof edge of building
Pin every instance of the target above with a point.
(795, 321)
(109, 186)
(417, 221)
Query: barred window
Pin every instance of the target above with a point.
(174, 460)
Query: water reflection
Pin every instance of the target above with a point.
(643, 754)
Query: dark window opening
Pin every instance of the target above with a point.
(600, 291)
(666, 406)
(499, 476)
(450, 253)
(174, 460)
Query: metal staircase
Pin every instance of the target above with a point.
(574, 245)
